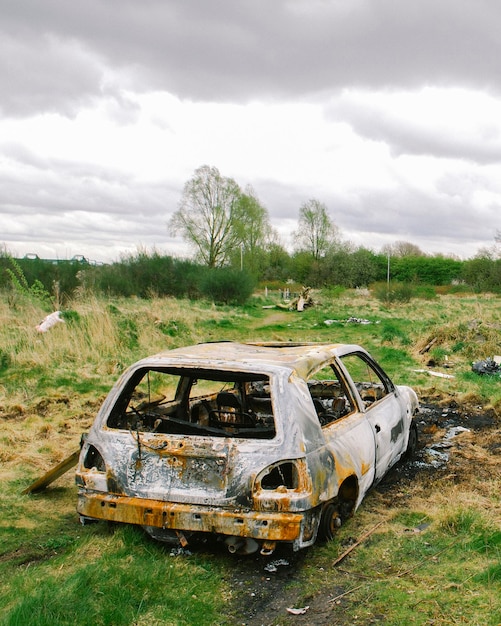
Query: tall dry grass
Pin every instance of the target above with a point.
(51, 384)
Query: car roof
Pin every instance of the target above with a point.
(303, 358)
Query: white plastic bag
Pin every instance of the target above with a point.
(50, 321)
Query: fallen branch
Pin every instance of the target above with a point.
(341, 595)
(428, 345)
(353, 546)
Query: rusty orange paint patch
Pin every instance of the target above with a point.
(276, 526)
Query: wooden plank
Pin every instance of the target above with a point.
(54, 473)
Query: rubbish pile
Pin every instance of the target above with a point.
(489, 366)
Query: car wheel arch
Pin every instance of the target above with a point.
(336, 511)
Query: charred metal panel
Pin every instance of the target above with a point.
(282, 526)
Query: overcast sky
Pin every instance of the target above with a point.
(389, 112)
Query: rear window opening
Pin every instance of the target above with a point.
(196, 402)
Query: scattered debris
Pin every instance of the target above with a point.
(456, 430)
(350, 320)
(49, 321)
(273, 566)
(342, 595)
(432, 373)
(54, 473)
(300, 611)
(489, 366)
(418, 529)
(357, 543)
(180, 551)
(438, 452)
(300, 303)
(428, 345)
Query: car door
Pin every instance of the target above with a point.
(346, 431)
(382, 409)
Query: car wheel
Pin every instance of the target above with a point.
(330, 521)
(413, 441)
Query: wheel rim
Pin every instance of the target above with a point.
(331, 521)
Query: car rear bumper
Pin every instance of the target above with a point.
(264, 526)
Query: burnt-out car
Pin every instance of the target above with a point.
(253, 443)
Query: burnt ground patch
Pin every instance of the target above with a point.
(262, 589)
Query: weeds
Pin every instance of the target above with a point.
(19, 284)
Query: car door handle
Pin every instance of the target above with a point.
(378, 428)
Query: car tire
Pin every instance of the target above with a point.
(330, 521)
(412, 444)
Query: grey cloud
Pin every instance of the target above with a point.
(61, 202)
(423, 136)
(440, 222)
(226, 50)
(45, 74)
(417, 217)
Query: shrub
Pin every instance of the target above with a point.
(5, 360)
(227, 286)
(393, 293)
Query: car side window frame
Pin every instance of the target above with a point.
(374, 390)
(330, 407)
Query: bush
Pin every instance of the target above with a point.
(395, 292)
(227, 286)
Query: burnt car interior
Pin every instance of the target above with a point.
(234, 404)
(196, 402)
(332, 398)
(376, 384)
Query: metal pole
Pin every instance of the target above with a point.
(388, 278)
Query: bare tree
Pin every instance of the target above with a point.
(402, 249)
(207, 215)
(316, 232)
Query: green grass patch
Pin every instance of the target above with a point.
(414, 571)
(123, 579)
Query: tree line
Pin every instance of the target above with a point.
(147, 274)
(226, 226)
(236, 248)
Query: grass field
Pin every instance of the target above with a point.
(435, 558)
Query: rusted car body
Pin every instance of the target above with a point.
(254, 443)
